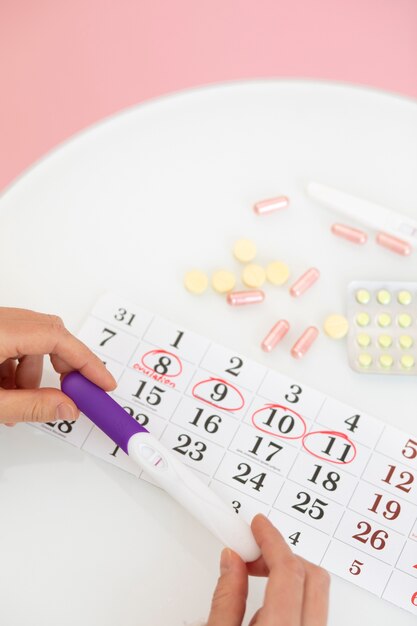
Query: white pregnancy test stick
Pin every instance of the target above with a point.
(369, 213)
(162, 465)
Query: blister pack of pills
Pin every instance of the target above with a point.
(383, 327)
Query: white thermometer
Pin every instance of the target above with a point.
(369, 213)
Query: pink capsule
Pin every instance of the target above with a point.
(351, 234)
(238, 298)
(394, 244)
(304, 282)
(277, 332)
(303, 344)
(272, 204)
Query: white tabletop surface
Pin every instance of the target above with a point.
(131, 204)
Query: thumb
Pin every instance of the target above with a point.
(35, 405)
(229, 600)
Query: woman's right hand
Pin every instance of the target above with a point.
(297, 592)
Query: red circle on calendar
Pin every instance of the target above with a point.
(338, 448)
(281, 418)
(219, 392)
(160, 354)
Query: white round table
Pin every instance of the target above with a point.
(131, 204)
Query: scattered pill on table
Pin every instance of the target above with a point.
(239, 298)
(354, 235)
(336, 326)
(195, 281)
(277, 332)
(270, 205)
(244, 250)
(304, 282)
(394, 244)
(223, 281)
(277, 272)
(304, 343)
(253, 275)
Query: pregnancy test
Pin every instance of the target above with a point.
(369, 213)
(160, 463)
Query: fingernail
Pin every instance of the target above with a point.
(225, 561)
(64, 412)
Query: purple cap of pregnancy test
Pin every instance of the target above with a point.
(96, 404)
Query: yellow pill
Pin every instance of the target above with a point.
(386, 360)
(363, 296)
(195, 281)
(223, 281)
(253, 275)
(404, 320)
(277, 272)
(244, 250)
(363, 340)
(404, 297)
(365, 359)
(405, 342)
(384, 320)
(407, 361)
(336, 326)
(363, 319)
(385, 341)
(383, 296)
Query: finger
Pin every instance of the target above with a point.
(283, 599)
(255, 619)
(31, 337)
(72, 354)
(272, 544)
(229, 600)
(63, 368)
(257, 568)
(316, 595)
(14, 313)
(7, 374)
(261, 528)
(36, 405)
(29, 372)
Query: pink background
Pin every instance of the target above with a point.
(66, 64)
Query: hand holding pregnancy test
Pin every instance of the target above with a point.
(160, 464)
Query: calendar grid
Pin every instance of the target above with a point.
(228, 445)
(341, 490)
(387, 583)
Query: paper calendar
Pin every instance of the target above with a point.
(338, 483)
